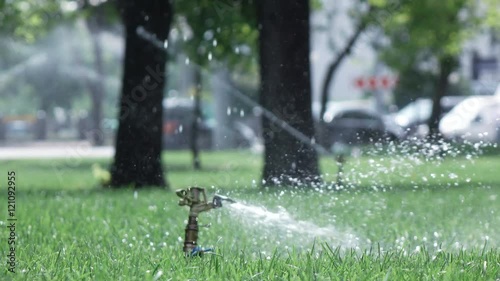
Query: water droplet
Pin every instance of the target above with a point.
(158, 275)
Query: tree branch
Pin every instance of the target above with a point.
(334, 65)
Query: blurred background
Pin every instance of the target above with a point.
(61, 71)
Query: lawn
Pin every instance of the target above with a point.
(398, 217)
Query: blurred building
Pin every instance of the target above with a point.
(331, 28)
(333, 25)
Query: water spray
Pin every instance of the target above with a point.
(196, 199)
(298, 135)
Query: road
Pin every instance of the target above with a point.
(69, 150)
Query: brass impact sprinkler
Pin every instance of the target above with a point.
(196, 199)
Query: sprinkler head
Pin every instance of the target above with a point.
(196, 199)
(191, 196)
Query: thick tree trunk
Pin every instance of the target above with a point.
(286, 91)
(137, 159)
(446, 66)
(196, 120)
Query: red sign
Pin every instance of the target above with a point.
(376, 82)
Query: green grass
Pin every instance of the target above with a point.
(406, 219)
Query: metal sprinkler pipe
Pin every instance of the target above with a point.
(196, 199)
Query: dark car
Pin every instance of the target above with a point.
(357, 127)
(178, 119)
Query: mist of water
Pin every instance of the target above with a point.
(289, 232)
(403, 158)
(63, 46)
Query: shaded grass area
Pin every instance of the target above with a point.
(405, 223)
(241, 170)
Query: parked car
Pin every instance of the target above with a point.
(414, 117)
(19, 129)
(474, 119)
(357, 126)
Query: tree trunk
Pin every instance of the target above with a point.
(41, 121)
(223, 100)
(446, 66)
(96, 86)
(196, 120)
(137, 159)
(286, 91)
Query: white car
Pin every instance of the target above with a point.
(414, 117)
(474, 119)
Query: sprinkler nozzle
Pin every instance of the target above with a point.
(217, 201)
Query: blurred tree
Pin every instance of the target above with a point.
(29, 20)
(492, 22)
(221, 31)
(366, 14)
(413, 83)
(33, 22)
(97, 18)
(52, 87)
(38, 72)
(286, 91)
(137, 160)
(427, 36)
(363, 21)
(492, 14)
